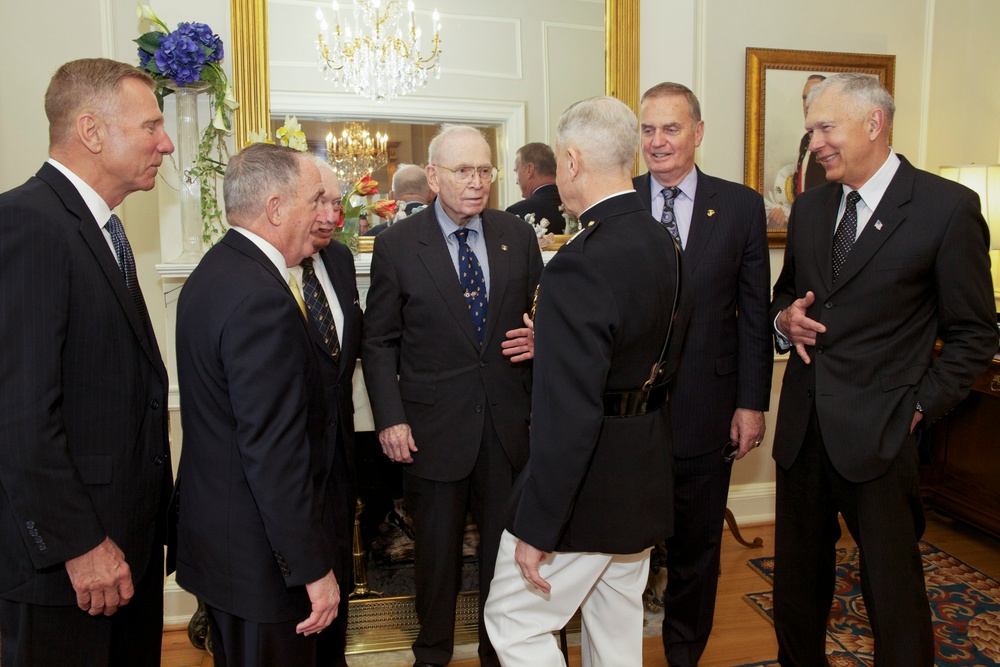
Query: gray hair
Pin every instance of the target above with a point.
(541, 156)
(668, 88)
(410, 179)
(446, 131)
(603, 129)
(256, 173)
(865, 91)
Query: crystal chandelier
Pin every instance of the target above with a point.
(356, 152)
(375, 59)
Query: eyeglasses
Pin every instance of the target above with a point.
(464, 174)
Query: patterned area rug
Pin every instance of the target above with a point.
(965, 606)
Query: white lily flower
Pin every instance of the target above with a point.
(145, 13)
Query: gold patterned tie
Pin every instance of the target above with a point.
(294, 286)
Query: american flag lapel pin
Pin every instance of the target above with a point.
(878, 225)
(504, 248)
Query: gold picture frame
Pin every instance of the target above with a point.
(774, 124)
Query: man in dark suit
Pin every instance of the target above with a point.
(535, 168)
(252, 487)
(862, 301)
(84, 455)
(580, 528)
(724, 380)
(335, 316)
(447, 284)
(410, 190)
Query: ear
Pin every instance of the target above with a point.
(875, 123)
(699, 133)
(273, 208)
(572, 163)
(432, 178)
(92, 132)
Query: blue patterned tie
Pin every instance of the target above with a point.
(126, 262)
(473, 284)
(319, 308)
(847, 231)
(668, 218)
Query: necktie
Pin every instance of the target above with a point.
(847, 230)
(319, 308)
(668, 218)
(126, 262)
(473, 284)
(294, 286)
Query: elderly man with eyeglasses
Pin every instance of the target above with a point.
(449, 285)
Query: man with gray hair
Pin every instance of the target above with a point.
(252, 493)
(880, 262)
(579, 531)
(448, 283)
(535, 168)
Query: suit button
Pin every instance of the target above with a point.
(828, 305)
(482, 364)
(33, 532)
(30, 525)
(155, 404)
(333, 421)
(38, 539)
(479, 408)
(820, 350)
(158, 461)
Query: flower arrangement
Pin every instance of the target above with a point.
(353, 204)
(190, 56)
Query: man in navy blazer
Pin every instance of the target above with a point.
(880, 262)
(84, 456)
(447, 403)
(723, 383)
(252, 485)
(333, 265)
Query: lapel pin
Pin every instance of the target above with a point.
(504, 248)
(878, 225)
(711, 212)
(590, 223)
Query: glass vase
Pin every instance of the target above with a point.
(348, 234)
(186, 142)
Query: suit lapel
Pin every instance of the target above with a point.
(823, 240)
(884, 221)
(642, 188)
(499, 258)
(702, 225)
(344, 294)
(98, 245)
(434, 255)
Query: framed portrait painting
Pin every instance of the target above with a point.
(778, 163)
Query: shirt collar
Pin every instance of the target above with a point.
(98, 207)
(448, 227)
(272, 253)
(687, 186)
(874, 188)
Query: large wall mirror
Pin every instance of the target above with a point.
(492, 53)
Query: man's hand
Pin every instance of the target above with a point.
(397, 443)
(799, 329)
(776, 218)
(528, 558)
(101, 578)
(747, 430)
(520, 343)
(325, 596)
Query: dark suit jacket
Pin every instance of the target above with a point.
(544, 202)
(338, 377)
(252, 477)
(417, 325)
(83, 398)
(727, 355)
(918, 271)
(591, 479)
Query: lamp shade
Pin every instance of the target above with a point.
(985, 180)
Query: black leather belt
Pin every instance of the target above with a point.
(634, 403)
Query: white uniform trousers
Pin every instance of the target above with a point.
(607, 588)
